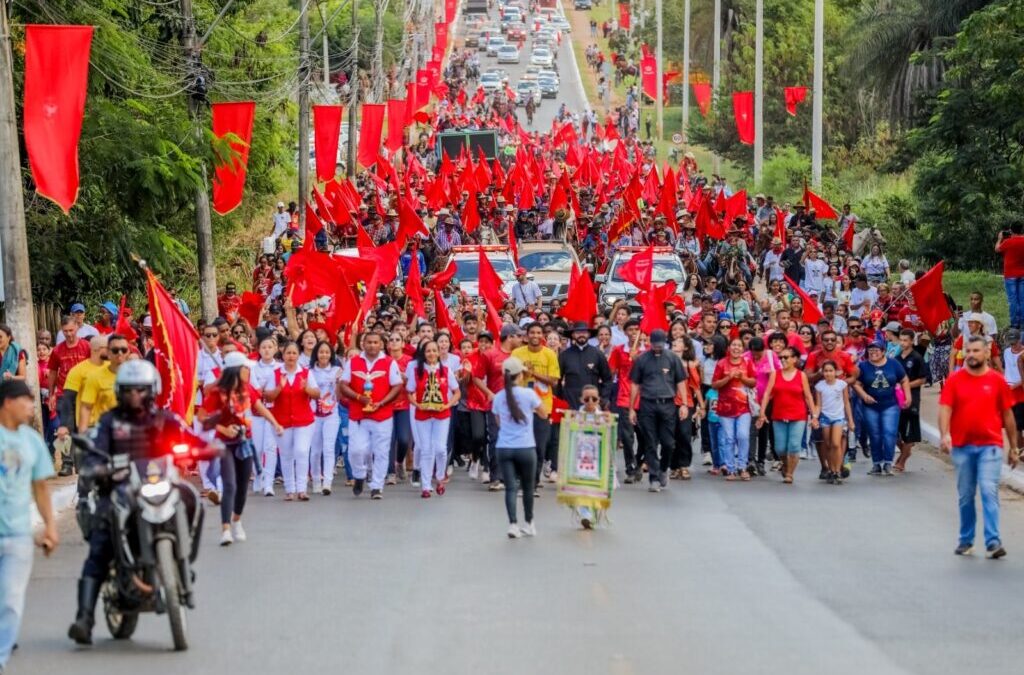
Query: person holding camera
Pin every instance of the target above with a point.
(1011, 245)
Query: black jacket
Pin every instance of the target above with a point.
(580, 367)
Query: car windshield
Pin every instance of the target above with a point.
(468, 269)
(546, 261)
(665, 269)
(489, 77)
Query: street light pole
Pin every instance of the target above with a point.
(353, 83)
(819, 91)
(716, 69)
(686, 68)
(660, 85)
(304, 72)
(759, 95)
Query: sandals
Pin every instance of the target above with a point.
(289, 497)
(744, 475)
(684, 474)
(787, 480)
(303, 497)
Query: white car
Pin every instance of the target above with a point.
(494, 44)
(541, 56)
(526, 90)
(562, 24)
(549, 73)
(508, 54)
(467, 261)
(667, 267)
(490, 82)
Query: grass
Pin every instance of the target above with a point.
(961, 284)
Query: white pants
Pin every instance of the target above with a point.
(321, 452)
(370, 442)
(264, 442)
(295, 458)
(431, 439)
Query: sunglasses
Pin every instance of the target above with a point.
(590, 399)
(786, 357)
(118, 350)
(210, 335)
(136, 388)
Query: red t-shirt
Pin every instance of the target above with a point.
(788, 402)
(843, 361)
(234, 410)
(401, 401)
(475, 398)
(621, 363)
(732, 398)
(1013, 256)
(978, 403)
(488, 369)
(63, 358)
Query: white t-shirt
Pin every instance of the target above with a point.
(814, 275)
(512, 434)
(327, 382)
(832, 405)
(773, 263)
(987, 320)
(410, 376)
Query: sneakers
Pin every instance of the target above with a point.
(706, 459)
(996, 551)
(268, 493)
(803, 454)
(546, 471)
(402, 475)
(326, 492)
(824, 474)
(654, 487)
(237, 531)
(876, 470)
(514, 532)
(964, 549)
(474, 470)
(845, 472)
(485, 476)
(392, 479)
(416, 477)
(376, 494)
(425, 494)
(357, 489)
(496, 486)
(530, 530)
(553, 477)
(629, 480)
(759, 466)
(887, 470)
(225, 538)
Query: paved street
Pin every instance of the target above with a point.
(709, 576)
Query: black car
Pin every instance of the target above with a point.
(581, 4)
(548, 87)
(472, 41)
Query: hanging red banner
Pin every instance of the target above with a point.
(434, 71)
(624, 15)
(422, 89)
(326, 129)
(410, 102)
(396, 124)
(794, 96)
(229, 173)
(449, 10)
(372, 124)
(441, 36)
(649, 76)
(743, 111)
(702, 92)
(56, 75)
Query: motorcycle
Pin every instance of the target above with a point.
(155, 520)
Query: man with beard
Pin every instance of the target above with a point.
(582, 364)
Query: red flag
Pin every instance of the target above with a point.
(471, 213)
(369, 133)
(493, 319)
(250, 308)
(229, 174)
(313, 227)
(822, 209)
(513, 245)
(707, 223)
(812, 313)
(123, 325)
(794, 96)
(409, 222)
(930, 298)
(736, 206)
(653, 303)
(639, 269)
(649, 75)
(444, 320)
(490, 283)
(176, 347)
(396, 124)
(780, 225)
(624, 15)
(559, 200)
(363, 238)
(324, 210)
(442, 279)
(414, 285)
(449, 10)
(581, 302)
(310, 274)
(56, 76)
(743, 112)
(847, 235)
(702, 92)
(326, 126)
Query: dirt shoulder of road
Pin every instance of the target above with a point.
(580, 22)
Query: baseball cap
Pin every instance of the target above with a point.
(280, 205)
(77, 307)
(237, 359)
(658, 337)
(512, 366)
(520, 271)
(110, 307)
(509, 331)
(974, 316)
(893, 326)
(1012, 335)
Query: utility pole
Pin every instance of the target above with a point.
(204, 227)
(716, 68)
(13, 239)
(819, 91)
(759, 95)
(660, 85)
(686, 68)
(327, 56)
(353, 83)
(304, 73)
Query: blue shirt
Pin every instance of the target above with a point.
(880, 382)
(23, 459)
(512, 434)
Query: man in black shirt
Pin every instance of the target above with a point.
(657, 377)
(582, 364)
(909, 430)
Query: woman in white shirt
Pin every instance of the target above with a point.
(265, 377)
(433, 392)
(875, 265)
(326, 373)
(835, 415)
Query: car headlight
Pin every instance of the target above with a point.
(611, 299)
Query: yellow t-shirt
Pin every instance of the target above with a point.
(543, 362)
(76, 381)
(98, 392)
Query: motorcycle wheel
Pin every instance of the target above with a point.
(167, 567)
(120, 624)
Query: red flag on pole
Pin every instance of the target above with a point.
(313, 227)
(638, 270)
(822, 209)
(441, 279)
(123, 325)
(397, 118)
(812, 313)
(930, 298)
(229, 174)
(624, 15)
(581, 302)
(56, 75)
(702, 92)
(444, 320)
(369, 133)
(848, 233)
(326, 126)
(649, 76)
(653, 303)
(414, 285)
(471, 213)
(743, 112)
(176, 347)
(794, 96)
(490, 283)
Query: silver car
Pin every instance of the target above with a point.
(494, 44)
(508, 54)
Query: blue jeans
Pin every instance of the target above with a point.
(882, 425)
(1015, 298)
(714, 428)
(789, 437)
(977, 469)
(15, 568)
(734, 441)
(341, 444)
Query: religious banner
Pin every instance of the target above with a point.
(229, 173)
(586, 445)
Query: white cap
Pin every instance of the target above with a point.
(237, 359)
(280, 205)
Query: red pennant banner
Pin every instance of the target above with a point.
(441, 36)
(794, 96)
(930, 298)
(176, 350)
(624, 15)
(229, 174)
(372, 124)
(449, 10)
(397, 121)
(326, 128)
(702, 92)
(56, 75)
(743, 111)
(649, 76)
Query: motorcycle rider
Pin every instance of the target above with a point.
(136, 427)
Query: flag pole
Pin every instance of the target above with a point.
(819, 60)
(759, 94)
(716, 70)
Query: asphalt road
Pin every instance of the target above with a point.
(710, 577)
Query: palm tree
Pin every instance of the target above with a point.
(898, 49)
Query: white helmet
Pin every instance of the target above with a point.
(137, 373)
